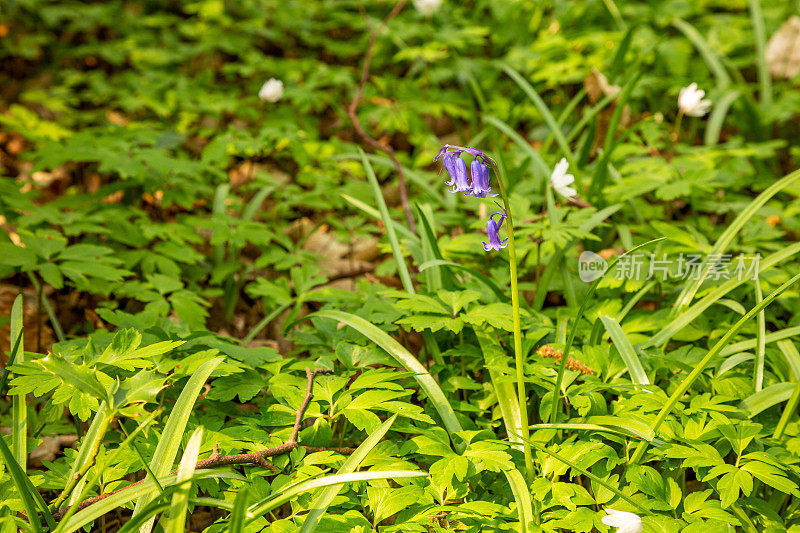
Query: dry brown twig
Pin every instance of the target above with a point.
(259, 457)
(352, 111)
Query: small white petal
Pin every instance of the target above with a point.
(563, 181)
(271, 91)
(427, 7)
(625, 521)
(691, 102)
(566, 192)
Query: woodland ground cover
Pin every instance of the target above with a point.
(238, 293)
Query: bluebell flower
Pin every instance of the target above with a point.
(457, 169)
(480, 179)
(493, 232)
(455, 166)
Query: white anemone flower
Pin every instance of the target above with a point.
(271, 91)
(691, 102)
(427, 7)
(624, 521)
(561, 180)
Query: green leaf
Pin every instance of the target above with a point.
(81, 377)
(403, 357)
(625, 349)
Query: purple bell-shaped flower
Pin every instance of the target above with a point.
(493, 232)
(457, 170)
(480, 179)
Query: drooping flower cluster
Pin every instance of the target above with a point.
(476, 184)
(457, 169)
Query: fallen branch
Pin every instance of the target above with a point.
(259, 457)
(353, 108)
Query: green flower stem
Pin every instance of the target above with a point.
(519, 359)
(713, 352)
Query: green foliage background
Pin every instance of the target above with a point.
(172, 234)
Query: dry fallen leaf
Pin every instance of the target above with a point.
(783, 50)
(597, 86)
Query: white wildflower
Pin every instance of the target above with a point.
(625, 522)
(691, 102)
(427, 7)
(561, 180)
(271, 91)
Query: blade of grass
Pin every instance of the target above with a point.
(764, 399)
(601, 168)
(287, 493)
(698, 369)
(718, 114)
(96, 510)
(175, 518)
(788, 410)
(326, 495)
(374, 213)
(768, 338)
(412, 175)
(543, 110)
(792, 356)
(567, 112)
(536, 158)
(23, 485)
(494, 360)
(11, 358)
(710, 56)
(263, 323)
(170, 440)
(522, 496)
(402, 269)
(761, 342)
(404, 358)
(626, 351)
(760, 35)
(239, 514)
(48, 309)
(634, 300)
(19, 405)
(618, 429)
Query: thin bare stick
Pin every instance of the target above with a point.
(352, 111)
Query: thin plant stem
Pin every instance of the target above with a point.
(677, 133)
(519, 359)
